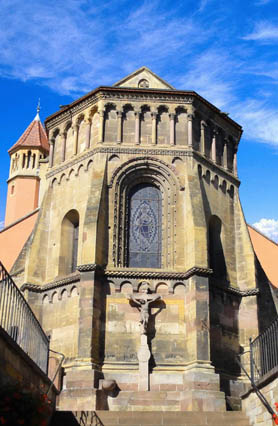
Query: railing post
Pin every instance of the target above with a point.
(251, 360)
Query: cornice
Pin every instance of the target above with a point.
(187, 152)
(237, 291)
(215, 168)
(129, 94)
(166, 275)
(53, 284)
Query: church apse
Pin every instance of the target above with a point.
(135, 171)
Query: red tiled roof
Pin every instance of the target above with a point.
(267, 253)
(33, 137)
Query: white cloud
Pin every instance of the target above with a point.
(210, 76)
(72, 48)
(264, 32)
(268, 227)
(260, 121)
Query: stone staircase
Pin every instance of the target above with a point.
(150, 418)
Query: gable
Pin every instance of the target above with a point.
(144, 78)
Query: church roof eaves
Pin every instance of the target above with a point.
(142, 90)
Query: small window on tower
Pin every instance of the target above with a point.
(12, 189)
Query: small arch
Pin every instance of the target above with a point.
(74, 291)
(215, 182)
(54, 298)
(200, 172)
(112, 287)
(207, 176)
(161, 288)
(45, 299)
(177, 161)
(62, 178)
(113, 157)
(179, 289)
(71, 174)
(64, 294)
(126, 288)
(80, 168)
(143, 83)
(89, 165)
(56, 132)
(34, 161)
(224, 186)
(232, 191)
(162, 108)
(54, 183)
(23, 160)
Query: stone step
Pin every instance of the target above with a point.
(142, 418)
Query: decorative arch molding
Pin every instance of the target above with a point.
(127, 176)
(148, 162)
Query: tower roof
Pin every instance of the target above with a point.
(33, 137)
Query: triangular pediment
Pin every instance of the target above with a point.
(144, 78)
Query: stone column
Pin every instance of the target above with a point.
(75, 143)
(235, 161)
(119, 126)
(137, 127)
(202, 147)
(101, 126)
(154, 115)
(82, 376)
(189, 130)
(51, 152)
(225, 153)
(37, 165)
(201, 381)
(172, 128)
(143, 358)
(64, 138)
(213, 146)
(88, 132)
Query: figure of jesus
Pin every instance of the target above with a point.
(143, 301)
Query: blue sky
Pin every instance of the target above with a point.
(224, 50)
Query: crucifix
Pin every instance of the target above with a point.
(143, 301)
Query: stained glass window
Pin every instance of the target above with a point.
(144, 227)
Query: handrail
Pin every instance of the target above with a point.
(58, 368)
(256, 389)
(19, 321)
(264, 351)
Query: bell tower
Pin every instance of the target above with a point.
(24, 181)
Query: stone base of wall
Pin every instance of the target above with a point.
(150, 418)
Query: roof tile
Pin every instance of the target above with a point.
(33, 137)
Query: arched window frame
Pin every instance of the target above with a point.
(129, 196)
(143, 170)
(69, 242)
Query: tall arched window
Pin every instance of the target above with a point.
(69, 243)
(144, 243)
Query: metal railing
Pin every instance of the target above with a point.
(264, 352)
(18, 320)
